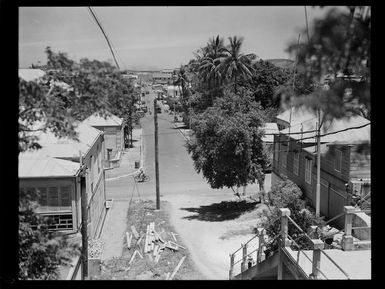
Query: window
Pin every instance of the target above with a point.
(338, 160)
(91, 172)
(276, 151)
(308, 163)
(284, 156)
(296, 163)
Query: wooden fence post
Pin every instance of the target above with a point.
(318, 245)
(244, 258)
(231, 271)
(347, 238)
(261, 244)
(285, 213)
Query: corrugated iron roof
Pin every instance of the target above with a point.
(31, 165)
(29, 74)
(97, 120)
(53, 146)
(270, 127)
(305, 119)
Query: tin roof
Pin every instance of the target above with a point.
(97, 120)
(53, 146)
(29, 74)
(306, 120)
(33, 166)
(270, 127)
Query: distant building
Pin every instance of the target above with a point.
(163, 77)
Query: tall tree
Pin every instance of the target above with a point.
(227, 146)
(235, 65)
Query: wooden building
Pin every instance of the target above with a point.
(345, 157)
(63, 187)
(113, 129)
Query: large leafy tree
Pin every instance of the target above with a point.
(227, 146)
(236, 65)
(68, 93)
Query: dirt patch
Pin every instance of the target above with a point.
(140, 214)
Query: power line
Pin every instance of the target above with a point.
(105, 35)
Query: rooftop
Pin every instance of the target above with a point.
(270, 127)
(97, 120)
(303, 120)
(30, 74)
(33, 166)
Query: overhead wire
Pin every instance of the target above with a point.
(104, 33)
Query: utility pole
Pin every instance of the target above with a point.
(156, 157)
(83, 193)
(318, 187)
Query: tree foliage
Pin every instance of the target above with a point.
(68, 93)
(336, 59)
(287, 194)
(227, 146)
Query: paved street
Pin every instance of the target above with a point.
(187, 191)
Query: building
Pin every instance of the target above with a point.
(163, 77)
(88, 154)
(173, 91)
(270, 128)
(58, 183)
(113, 129)
(345, 157)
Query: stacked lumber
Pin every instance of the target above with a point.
(154, 244)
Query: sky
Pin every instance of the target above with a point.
(152, 38)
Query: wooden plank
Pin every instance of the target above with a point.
(173, 236)
(132, 257)
(177, 267)
(177, 245)
(157, 257)
(128, 239)
(167, 275)
(150, 257)
(141, 256)
(140, 239)
(170, 246)
(146, 241)
(156, 249)
(136, 234)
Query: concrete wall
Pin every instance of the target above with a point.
(362, 220)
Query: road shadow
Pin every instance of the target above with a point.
(223, 211)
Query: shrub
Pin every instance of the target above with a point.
(288, 195)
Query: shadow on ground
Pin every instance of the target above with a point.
(223, 211)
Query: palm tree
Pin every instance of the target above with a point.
(210, 61)
(236, 64)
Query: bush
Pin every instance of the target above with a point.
(288, 195)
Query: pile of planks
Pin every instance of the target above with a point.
(154, 244)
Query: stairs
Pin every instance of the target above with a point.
(265, 270)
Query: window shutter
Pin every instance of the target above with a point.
(53, 197)
(65, 196)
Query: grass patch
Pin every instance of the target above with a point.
(140, 214)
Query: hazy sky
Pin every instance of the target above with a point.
(156, 37)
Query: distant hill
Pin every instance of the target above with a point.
(282, 63)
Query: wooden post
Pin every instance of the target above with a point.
(285, 213)
(84, 234)
(231, 271)
(347, 238)
(318, 245)
(156, 157)
(244, 258)
(261, 243)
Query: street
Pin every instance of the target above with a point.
(188, 193)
